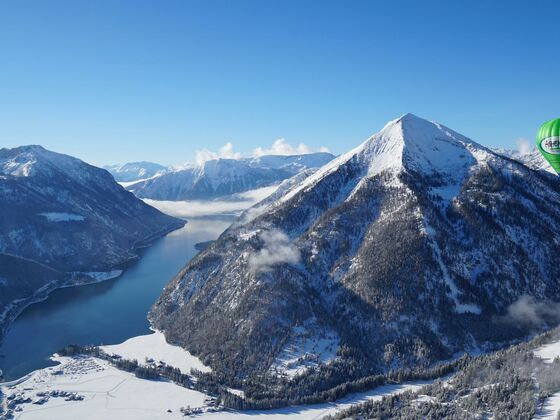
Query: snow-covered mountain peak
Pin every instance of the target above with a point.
(421, 146)
(23, 161)
(34, 160)
(31, 148)
(411, 144)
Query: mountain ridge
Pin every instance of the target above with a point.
(218, 178)
(136, 171)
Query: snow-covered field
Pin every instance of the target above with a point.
(549, 351)
(317, 411)
(552, 405)
(89, 388)
(62, 217)
(155, 346)
(105, 393)
(550, 408)
(126, 184)
(305, 351)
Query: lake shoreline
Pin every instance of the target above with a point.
(103, 312)
(14, 309)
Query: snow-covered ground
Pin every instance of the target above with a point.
(549, 351)
(62, 217)
(88, 388)
(317, 411)
(550, 409)
(126, 184)
(155, 346)
(552, 405)
(99, 276)
(305, 351)
(200, 208)
(108, 393)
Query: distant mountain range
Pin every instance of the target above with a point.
(533, 159)
(220, 178)
(63, 222)
(407, 250)
(134, 171)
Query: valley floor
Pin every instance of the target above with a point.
(86, 387)
(89, 388)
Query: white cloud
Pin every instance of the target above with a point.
(277, 249)
(524, 146)
(224, 152)
(527, 311)
(281, 147)
(199, 208)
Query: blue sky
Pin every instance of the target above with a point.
(116, 81)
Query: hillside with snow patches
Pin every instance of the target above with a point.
(219, 178)
(64, 222)
(405, 251)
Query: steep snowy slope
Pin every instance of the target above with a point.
(403, 251)
(60, 216)
(224, 177)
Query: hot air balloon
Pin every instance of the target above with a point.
(548, 142)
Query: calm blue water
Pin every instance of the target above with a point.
(103, 313)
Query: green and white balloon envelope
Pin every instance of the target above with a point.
(548, 142)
